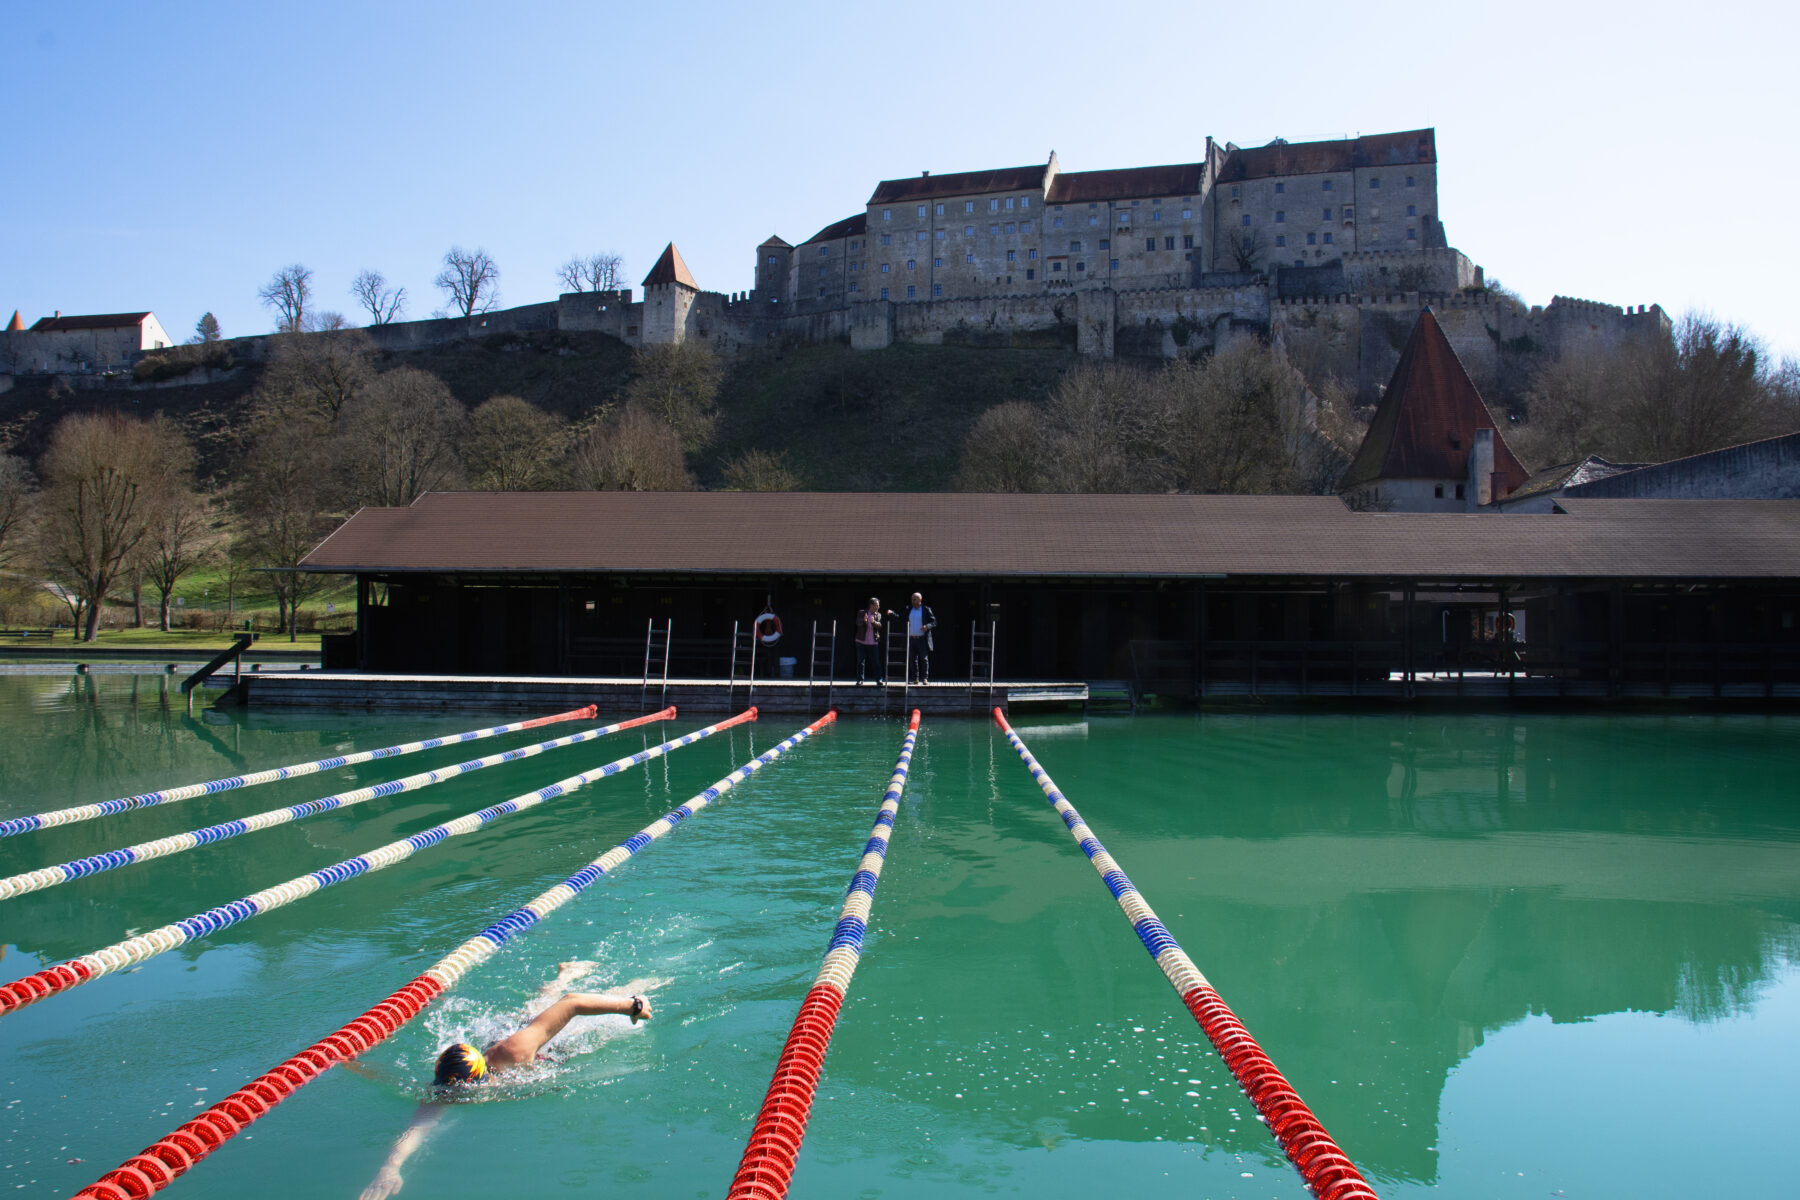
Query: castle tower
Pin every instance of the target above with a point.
(17, 325)
(669, 291)
(774, 264)
(1433, 445)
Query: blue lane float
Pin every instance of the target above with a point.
(86, 812)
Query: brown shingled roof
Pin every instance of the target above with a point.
(964, 183)
(1317, 158)
(1080, 187)
(96, 321)
(993, 536)
(1425, 425)
(670, 269)
(776, 240)
(848, 227)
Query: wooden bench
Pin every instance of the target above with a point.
(25, 635)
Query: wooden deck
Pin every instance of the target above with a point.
(350, 689)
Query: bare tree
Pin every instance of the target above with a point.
(400, 436)
(311, 378)
(679, 386)
(596, 273)
(15, 489)
(759, 470)
(1246, 249)
(100, 476)
(630, 451)
(372, 292)
(206, 330)
(175, 541)
(470, 280)
(1005, 450)
(513, 446)
(1105, 433)
(289, 294)
(282, 502)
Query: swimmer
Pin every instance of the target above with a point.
(463, 1064)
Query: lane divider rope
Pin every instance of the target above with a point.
(134, 950)
(93, 864)
(86, 812)
(174, 1154)
(767, 1167)
(1326, 1169)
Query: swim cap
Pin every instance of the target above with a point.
(459, 1063)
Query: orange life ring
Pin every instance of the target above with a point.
(770, 637)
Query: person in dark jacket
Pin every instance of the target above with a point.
(920, 621)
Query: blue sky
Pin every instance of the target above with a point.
(173, 156)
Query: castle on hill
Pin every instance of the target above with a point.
(1331, 248)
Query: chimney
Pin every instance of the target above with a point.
(1481, 470)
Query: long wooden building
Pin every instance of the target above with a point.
(1185, 596)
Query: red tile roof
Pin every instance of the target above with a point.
(1425, 425)
(1317, 158)
(965, 183)
(848, 227)
(670, 269)
(16, 324)
(1081, 187)
(97, 321)
(992, 536)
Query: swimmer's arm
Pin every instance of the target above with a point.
(523, 1046)
(387, 1181)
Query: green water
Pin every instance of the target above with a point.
(1500, 956)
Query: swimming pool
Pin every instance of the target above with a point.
(1499, 955)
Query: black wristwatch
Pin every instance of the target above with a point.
(637, 1006)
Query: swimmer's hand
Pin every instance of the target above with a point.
(385, 1184)
(639, 1009)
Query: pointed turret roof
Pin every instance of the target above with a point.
(16, 324)
(670, 269)
(775, 239)
(1426, 422)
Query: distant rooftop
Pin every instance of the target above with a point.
(60, 323)
(1318, 158)
(1080, 187)
(964, 183)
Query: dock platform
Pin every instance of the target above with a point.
(355, 689)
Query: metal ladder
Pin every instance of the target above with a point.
(656, 659)
(981, 660)
(824, 653)
(743, 661)
(897, 677)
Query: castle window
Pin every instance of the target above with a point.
(912, 264)
(1030, 273)
(1074, 247)
(1012, 256)
(942, 232)
(993, 231)
(1187, 241)
(1031, 253)
(1058, 208)
(1081, 266)
(1280, 188)
(921, 236)
(1150, 244)
(884, 268)
(1328, 239)
(1311, 239)
(1113, 263)
(1024, 201)
(1024, 226)
(1281, 239)
(1412, 235)
(1124, 217)
(884, 294)
(1056, 266)
(1459, 491)
(821, 272)
(1093, 218)
(940, 210)
(937, 262)
(1168, 243)
(911, 292)
(1437, 493)
(921, 210)
(1246, 220)
(1325, 215)
(1157, 215)
(853, 287)
(1349, 212)
(771, 260)
(821, 290)
(968, 231)
(1009, 227)
(994, 204)
(968, 258)
(1326, 186)
(1187, 214)
(887, 214)
(1409, 181)
(1236, 191)
(1009, 203)
(1105, 243)
(1412, 210)
(1374, 183)
(1299, 262)
(1281, 218)
(1056, 223)
(968, 206)
(887, 239)
(937, 289)
(824, 250)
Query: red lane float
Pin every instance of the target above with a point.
(1326, 1169)
(768, 1163)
